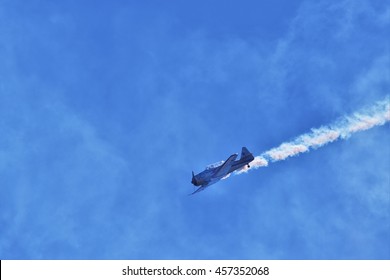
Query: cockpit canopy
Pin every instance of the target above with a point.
(214, 165)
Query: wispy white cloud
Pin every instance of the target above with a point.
(57, 173)
(179, 93)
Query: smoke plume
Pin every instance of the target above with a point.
(343, 128)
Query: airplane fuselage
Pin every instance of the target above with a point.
(200, 179)
(213, 174)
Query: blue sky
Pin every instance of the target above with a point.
(106, 108)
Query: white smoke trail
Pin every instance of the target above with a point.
(365, 119)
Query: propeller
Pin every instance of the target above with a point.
(193, 181)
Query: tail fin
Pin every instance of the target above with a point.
(245, 152)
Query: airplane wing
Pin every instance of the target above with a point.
(209, 183)
(199, 190)
(225, 167)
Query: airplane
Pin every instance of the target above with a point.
(215, 172)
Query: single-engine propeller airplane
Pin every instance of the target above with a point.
(215, 172)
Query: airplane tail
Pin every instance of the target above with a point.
(245, 152)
